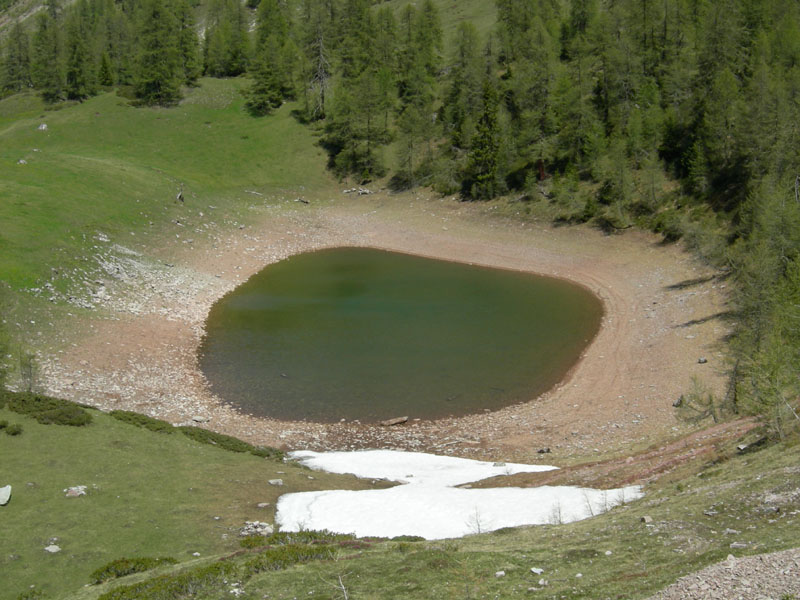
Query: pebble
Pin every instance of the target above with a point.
(774, 575)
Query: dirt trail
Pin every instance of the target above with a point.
(659, 321)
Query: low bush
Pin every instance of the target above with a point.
(47, 410)
(227, 442)
(14, 429)
(285, 538)
(253, 541)
(140, 420)
(276, 559)
(408, 538)
(186, 584)
(208, 581)
(127, 566)
(3, 425)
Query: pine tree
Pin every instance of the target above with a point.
(47, 65)
(16, 73)
(484, 177)
(79, 78)
(188, 45)
(264, 94)
(159, 72)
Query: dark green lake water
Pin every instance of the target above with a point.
(365, 334)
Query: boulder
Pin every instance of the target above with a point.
(276, 481)
(256, 528)
(5, 495)
(42, 127)
(52, 548)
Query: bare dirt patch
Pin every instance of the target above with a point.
(661, 317)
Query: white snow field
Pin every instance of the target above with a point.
(427, 504)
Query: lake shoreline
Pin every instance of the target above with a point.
(140, 353)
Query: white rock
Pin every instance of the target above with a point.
(276, 481)
(543, 582)
(608, 553)
(52, 549)
(200, 419)
(75, 491)
(42, 127)
(537, 570)
(5, 495)
(500, 574)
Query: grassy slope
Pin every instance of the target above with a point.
(105, 166)
(149, 494)
(745, 491)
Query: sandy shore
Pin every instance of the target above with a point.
(139, 353)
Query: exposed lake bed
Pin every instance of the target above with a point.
(617, 397)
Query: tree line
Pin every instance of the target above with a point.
(680, 116)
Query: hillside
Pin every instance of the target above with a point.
(647, 156)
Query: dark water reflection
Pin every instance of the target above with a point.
(366, 334)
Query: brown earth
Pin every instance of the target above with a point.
(662, 314)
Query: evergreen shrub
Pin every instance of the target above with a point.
(127, 566)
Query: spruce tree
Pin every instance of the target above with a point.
(47, 69)
(159, 72)
(16, 73)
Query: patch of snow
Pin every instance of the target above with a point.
(427, 504)
(411, 467)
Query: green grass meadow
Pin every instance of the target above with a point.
(105, 166)
(148, 494)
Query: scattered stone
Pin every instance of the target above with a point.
(262, 504)
(395, 421)
(201, 419)
(5, 495)
(578, 575)
(52, 549)
(647, 519)
(22, 161)
(730, 531)
(500, 574)
(738, 545)
(543, 451)
(276, 481)
(609, 553)
(195, 554)
(544, 582)
(75, 491)
(678, 403)
(537, 570)
(256, 528)
(710, 512)
(702, 360)
(42, 127)
(499, 464)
